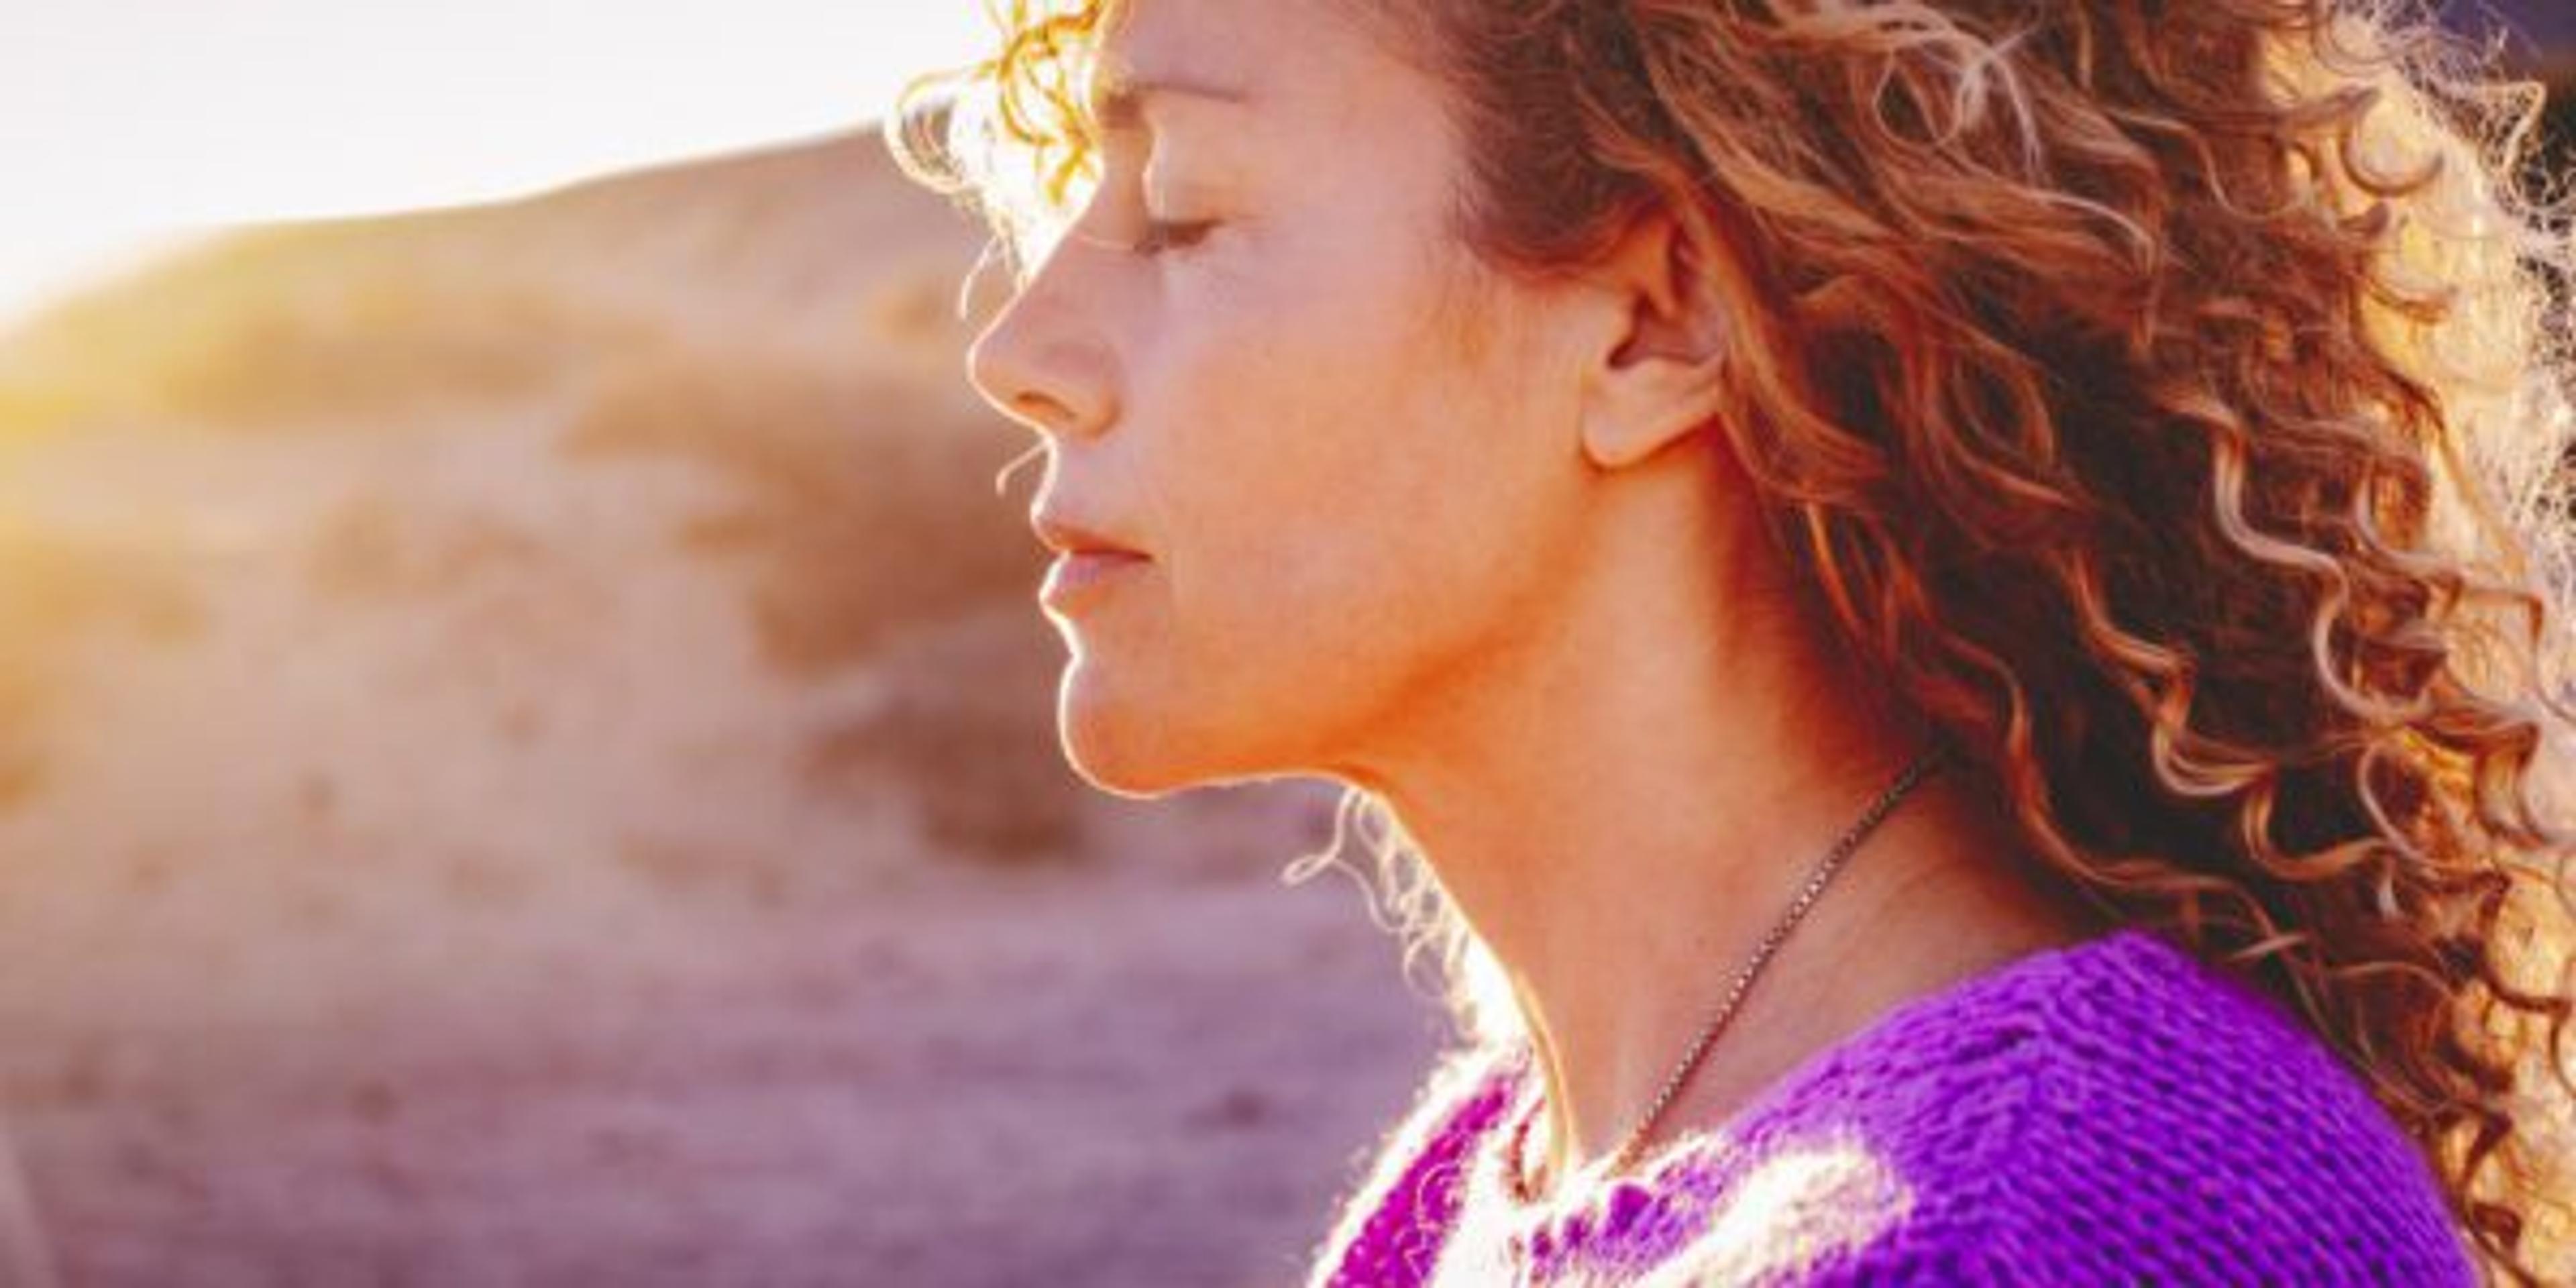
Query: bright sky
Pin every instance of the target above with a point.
(126, 125)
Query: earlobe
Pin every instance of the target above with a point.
(1658, 401)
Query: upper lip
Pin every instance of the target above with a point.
(1061, 534)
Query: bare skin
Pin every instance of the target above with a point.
(1459, 539)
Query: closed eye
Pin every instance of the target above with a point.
(1166, 235)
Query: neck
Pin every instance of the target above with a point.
(1625, 803)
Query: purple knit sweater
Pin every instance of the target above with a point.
(2112, 1111)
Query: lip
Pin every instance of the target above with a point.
(1063, 535)
(1077, 574)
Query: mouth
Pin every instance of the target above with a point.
(1076, 575)
(1062, 533)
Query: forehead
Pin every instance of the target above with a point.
(1289, 50)
(1201, 37)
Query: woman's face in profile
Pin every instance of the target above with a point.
(1261, 358)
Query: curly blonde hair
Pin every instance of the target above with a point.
(2170, 401)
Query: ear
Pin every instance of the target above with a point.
(1653, 368)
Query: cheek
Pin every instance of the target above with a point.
(1343, 485)
(1306, 456)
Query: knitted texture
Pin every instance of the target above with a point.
(2114, 1111)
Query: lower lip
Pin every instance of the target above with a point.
(1072, 575)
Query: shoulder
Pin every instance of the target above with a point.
(2117, 1109)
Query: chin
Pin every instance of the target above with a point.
(1118, 746)
(1132, 732)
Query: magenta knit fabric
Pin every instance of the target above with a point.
(2108, 1112)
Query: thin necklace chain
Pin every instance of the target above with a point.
(1513, 1171)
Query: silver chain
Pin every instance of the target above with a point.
(1514, 1172)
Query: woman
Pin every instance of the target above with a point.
(2030, 528)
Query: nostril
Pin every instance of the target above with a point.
(1055, 410)
(1043, 411)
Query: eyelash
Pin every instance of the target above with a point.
(1166, 235)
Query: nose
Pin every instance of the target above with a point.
(1039, 364)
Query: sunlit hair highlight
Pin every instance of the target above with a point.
(2171, 402)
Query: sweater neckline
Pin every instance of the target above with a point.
(1586, 1200)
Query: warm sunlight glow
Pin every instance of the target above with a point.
(1801, 1204)
(125, 122)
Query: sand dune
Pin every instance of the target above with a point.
(529, 761)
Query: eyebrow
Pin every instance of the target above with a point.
(1119, 102)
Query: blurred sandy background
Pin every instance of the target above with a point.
(528, 759)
